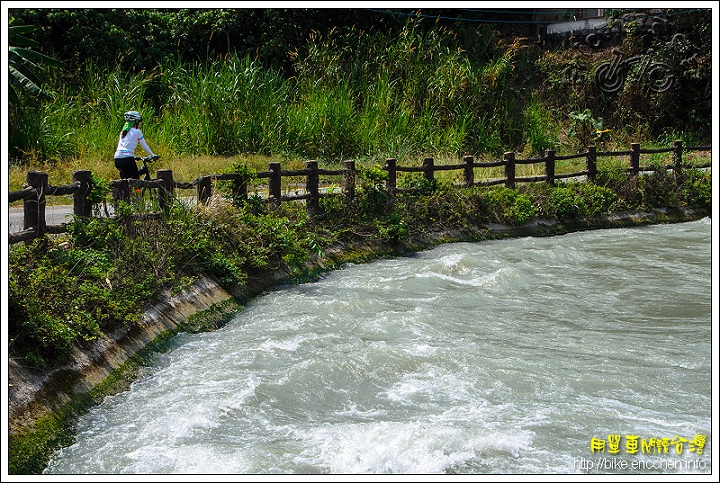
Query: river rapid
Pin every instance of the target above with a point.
(582, 353)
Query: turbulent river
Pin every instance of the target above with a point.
(582, 353)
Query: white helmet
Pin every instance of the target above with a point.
(133, 116)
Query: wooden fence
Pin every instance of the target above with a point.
(34, 195)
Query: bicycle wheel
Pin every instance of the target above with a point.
(149, 202)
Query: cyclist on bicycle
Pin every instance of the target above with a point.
(129, 139)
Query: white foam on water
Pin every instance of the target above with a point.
(189, 459)
(415, 447)
(421, 350)
(498, 357)
(271, 345)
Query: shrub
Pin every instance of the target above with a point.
(660, 188)
(418, 184)
(57, 297)
(628, 189)
(392, 229)
(509, 206)
(565, 203)
(598, 200)
(697, 188)
(372, 196)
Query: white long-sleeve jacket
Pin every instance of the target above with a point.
(126, 145)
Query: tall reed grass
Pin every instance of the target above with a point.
(359, 95)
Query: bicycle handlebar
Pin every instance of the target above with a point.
(147, 158)
(145, 169)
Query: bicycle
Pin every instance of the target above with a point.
(138, 196)
(145, 169)
(141, 193)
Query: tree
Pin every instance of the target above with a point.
(25, 64)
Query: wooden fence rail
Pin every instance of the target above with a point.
(34, 195)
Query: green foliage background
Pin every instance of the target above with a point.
(332, 84)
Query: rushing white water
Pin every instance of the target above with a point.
(502, 357)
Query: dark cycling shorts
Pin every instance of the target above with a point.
(127, 167)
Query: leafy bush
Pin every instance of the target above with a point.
(509, 205)
(372, 195)
(628, 189)
(598, 200)
(565, 203)
(58, 297)
(697, 188)
(586, 128)
(660, 188)
(418, 184)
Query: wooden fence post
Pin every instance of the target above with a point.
(312, 183)
(34, 208)
(469, 171)
(510, 170)
(349, 180)
(123, 191)
(550, 167)
(591, 163)
(204, 189)
(634, 159)
(240, 189)
(677, 156)
(81, 207)
(390, 166)
(275, 183)
(429, 168)
(166, 189)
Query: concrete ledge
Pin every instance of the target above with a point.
(33, 393)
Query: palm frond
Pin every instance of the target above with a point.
(25, 65)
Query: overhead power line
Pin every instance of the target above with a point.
(460, 19)
(520, 12)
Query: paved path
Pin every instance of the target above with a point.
(54, 215)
